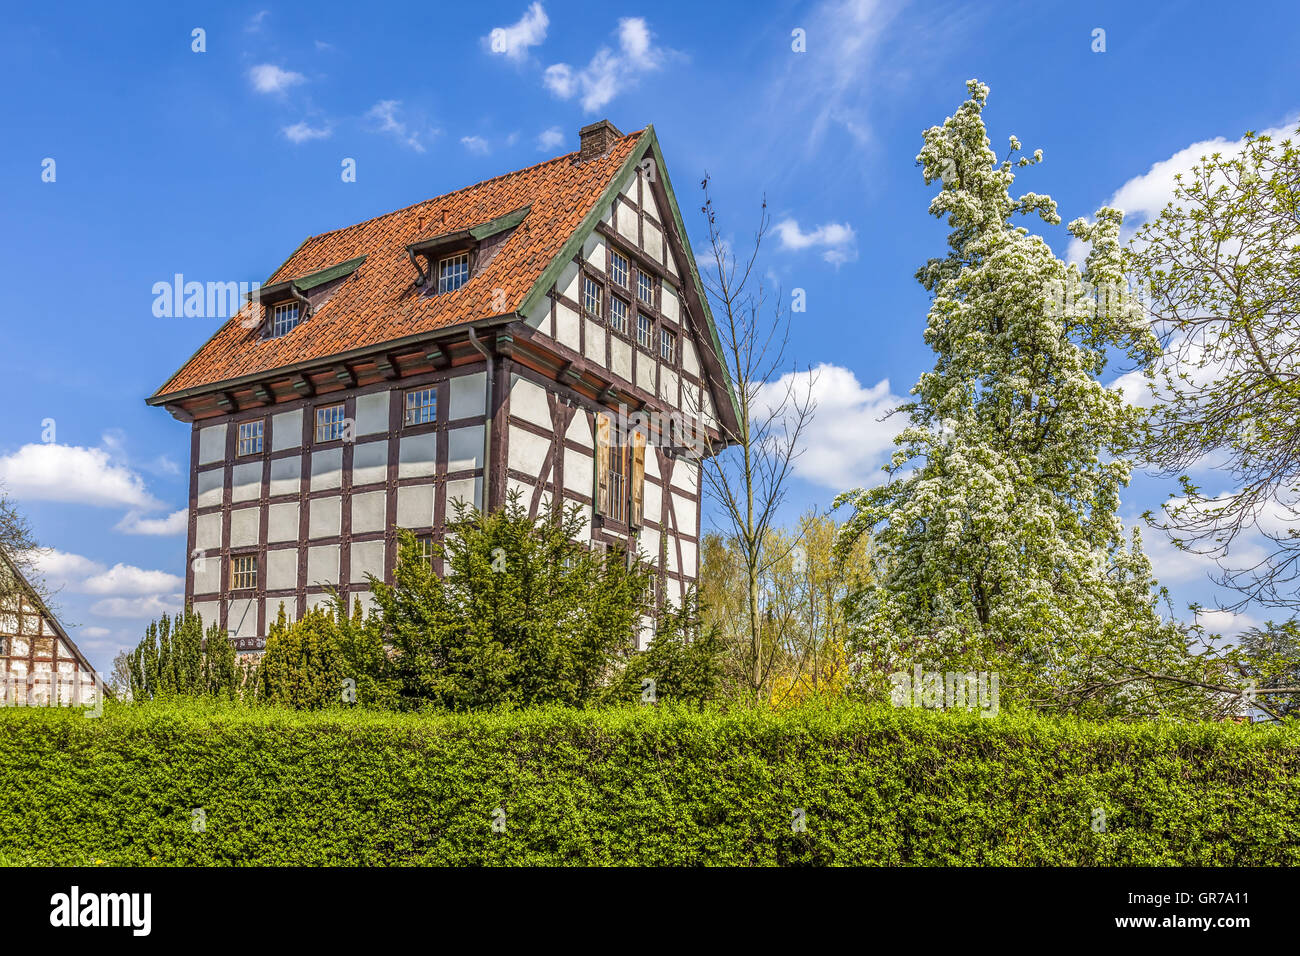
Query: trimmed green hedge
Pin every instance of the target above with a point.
(877, 786)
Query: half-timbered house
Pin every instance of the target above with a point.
(544, 332)
(40, 665)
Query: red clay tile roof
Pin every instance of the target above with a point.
(379, 302)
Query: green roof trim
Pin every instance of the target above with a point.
(314, 279)
(501, 223)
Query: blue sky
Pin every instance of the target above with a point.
(216, 164)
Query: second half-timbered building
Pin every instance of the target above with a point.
(544, 332)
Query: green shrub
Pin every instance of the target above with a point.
(663, 785)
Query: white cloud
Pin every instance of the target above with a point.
(388, 114)
(254, 24)
(837, 240)
(93, 632)
(549, 139)
(476, 144)
(608, 73)
(1143, 197)
(268, 78)
(53, 472)
(303, 132)
(849, 438)
(62, 568)
(513, 41)
(1225, 623)
(128, 579)
(134, 523)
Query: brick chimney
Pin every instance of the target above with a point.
(595, 140)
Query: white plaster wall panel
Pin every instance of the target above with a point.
(653, 503)
(621, 358)
(593, 250)
(368, 511)
(372, 413)
(536, 316)
(645, 371)
(566, 326)
(670, 558)
(671, 262)
(210, 486)
(273, 606)
(526, 495)
(282, 521)
(709, 415)
(241, 617)
(607, 217)
(684, 509)
(651, 463)
(370, 463)
(690, 356)
(207, 574)
(207, 533)
(326, 469)
(528, 451)
(324, 520)
(595, 342)
(469, 490)
(415, 506)
(689, 564)
(578, 472)
(629, 186)
(465, 448)
(286, 476)
(654, 242)
(246, 481)
(528, 401)
(579, 430)
(686, 475)
(646, 633)
(668, 302)
(691, 405)
(584, 512)
(212, 444)
(567, 284)
(627, 218)
(281, 570)
(323, 565)
(417, 456)
(649, 203)
(286, 430)
(648, 542)
(367, 558)
(210, 611)
(466, 400)
(668, 387)
(244, 526)
(319, 600)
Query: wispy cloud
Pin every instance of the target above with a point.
(549, 139)
(609, 72)
(125, 591)
(389, 115)
(303, 132)
(254, 24)
(268, 78)
(514, 41)
(476, 144)
(135, 523)
(836, 240)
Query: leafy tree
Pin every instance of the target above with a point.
(1222, 263)
(998, 543)
(301, 666)
(1270, 659)
(523, 613)
(177, 658)
(684, 661)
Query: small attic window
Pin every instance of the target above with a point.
(284, 318)
(453, 272)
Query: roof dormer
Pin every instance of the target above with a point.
(445, 262)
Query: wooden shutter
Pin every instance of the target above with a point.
(603, 424)
(638, 474)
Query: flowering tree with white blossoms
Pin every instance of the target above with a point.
(997, 537)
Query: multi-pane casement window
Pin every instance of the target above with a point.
(424, 547)
(620, 472)
(421, 406)
(618, 314)
(243, 572)
(667, 346)
(329, 423)
(453, 272)
(618, 268)
(645, 332)
(250, 438)
(645, 288)
(284, 316)
(591, 296)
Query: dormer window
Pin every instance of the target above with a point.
(453, 272)
(284, 318)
